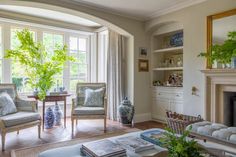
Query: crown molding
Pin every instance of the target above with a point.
(106, 10)
(174, 8)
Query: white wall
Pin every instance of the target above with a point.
(194, 22)
(137, 88)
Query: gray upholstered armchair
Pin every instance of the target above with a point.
(80, 111)
(25, 117)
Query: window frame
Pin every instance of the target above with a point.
(88, 55)
(6, 28)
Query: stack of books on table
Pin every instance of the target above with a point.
(103, 148)
(154, 136)
(135, 144)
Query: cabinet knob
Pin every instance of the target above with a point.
(159, 93)
(177, 95)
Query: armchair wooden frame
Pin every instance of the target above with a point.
(81, 117)
(4, 130)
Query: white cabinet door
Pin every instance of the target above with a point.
(161, 106)
(176, 106)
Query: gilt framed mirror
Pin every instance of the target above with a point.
(220, 28)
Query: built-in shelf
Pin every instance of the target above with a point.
(168, 49)
(167, 68)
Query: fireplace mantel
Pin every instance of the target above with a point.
(219, 72)
(217, 81)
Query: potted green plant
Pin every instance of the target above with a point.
(180, 145)
(222, 53)
(40, 67)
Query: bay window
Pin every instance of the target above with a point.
(18, 71)
(78, 48)
(78, 43)
(50, 41)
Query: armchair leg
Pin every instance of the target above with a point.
(3, 140)
(105, 124)
(39, 131)
(18, 132)
(72, 126)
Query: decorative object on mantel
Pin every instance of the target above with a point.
(49, 118)
(126, 112)
(57, 114)
(223, 53)
(143, 65)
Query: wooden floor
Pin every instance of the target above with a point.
(85, 128)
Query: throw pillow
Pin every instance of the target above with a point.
(7, 105)
(94, 98)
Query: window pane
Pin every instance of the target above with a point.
(82, 44)
(50, 42)
(74, 70)
(58, 40)
(18, 71)
(83, 57)
(73, 43)
(78, 70)
(73, 84)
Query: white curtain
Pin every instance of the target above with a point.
(115, 73)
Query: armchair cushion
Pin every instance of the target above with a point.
(94, 98)
(26, 105)
(80, 90)
(19, 118)
(7, 105)
(89, 110)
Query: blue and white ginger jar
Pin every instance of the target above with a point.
(49, 118)
(126, 111)
(57, 114)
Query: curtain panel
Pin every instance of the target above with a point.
(115, 73)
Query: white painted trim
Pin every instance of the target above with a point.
(176, 7)
(142, 117)
(139, 18)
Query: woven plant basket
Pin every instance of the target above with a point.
(178, 122)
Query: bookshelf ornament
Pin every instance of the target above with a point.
(57, 114)
(126, 112)
(49, 118)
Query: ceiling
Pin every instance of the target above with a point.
(139, 9)
(49, 14)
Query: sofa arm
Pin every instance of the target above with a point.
(26, 105)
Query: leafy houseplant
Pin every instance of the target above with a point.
(180, 146)
(222, 53)
(40, 67)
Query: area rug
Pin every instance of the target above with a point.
(36, 150)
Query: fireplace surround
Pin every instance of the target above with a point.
(217, 83)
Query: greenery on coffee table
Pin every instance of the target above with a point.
(180, 146)
(222, 53)
(40, 66)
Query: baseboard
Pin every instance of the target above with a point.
(142, 117)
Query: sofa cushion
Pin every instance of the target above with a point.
(94, 98)
(7, 106)
(89, 110)
(19, 118)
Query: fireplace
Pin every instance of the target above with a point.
(220, 95)
(230, 108)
